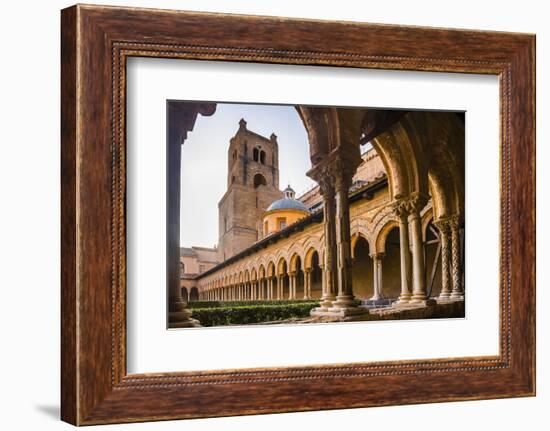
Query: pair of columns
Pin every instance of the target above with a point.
(334, 175)
(451, 271)
(413, 270)
(377, 275)
(293, 284)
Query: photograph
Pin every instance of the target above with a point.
(297, 214)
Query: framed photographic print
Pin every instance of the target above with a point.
(268, 215)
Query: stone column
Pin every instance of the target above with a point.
(329, 226)
(457, 292)
(279, 286)
(419, 295)
(445, 244)
(181, 119)
(401, 211)
(270, 295)
(343, 176)
(307, 283)
(377, 276)
(292, 285)
(323, 281)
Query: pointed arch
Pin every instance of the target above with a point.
(295, 260)
(383, 235)
(271, 269)
(308, 259)
(282, 266)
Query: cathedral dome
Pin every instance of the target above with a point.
(288, 202)
(283, 213)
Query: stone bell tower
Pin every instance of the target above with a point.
(252, 184)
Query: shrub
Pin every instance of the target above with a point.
(243, 315)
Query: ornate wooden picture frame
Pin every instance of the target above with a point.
(96, 41)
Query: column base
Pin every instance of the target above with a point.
(339, 312)
(457, 296)
(403, 300)
(422, 302)
(182, 319)
(444, 298)
(325, 303)
(346, 301)
(190, 323)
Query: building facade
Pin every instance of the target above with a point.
(252, 185)
(193, 262)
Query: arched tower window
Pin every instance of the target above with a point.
(262, 157)
(259, 180)
(255, 154)
(182, 268)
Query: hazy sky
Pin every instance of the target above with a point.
(204, 162)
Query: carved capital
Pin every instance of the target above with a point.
(378, 256)
(443, 225)
(417, 202)
(342, 170)
(400, 209)
(335, 171)
(455, 221)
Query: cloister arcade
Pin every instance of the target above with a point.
(419, 219)
(298, 273)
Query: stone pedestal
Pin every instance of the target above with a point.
(180, 317)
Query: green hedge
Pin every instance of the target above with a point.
(212, 304)
(243, 315)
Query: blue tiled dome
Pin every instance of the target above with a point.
(286, 204)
